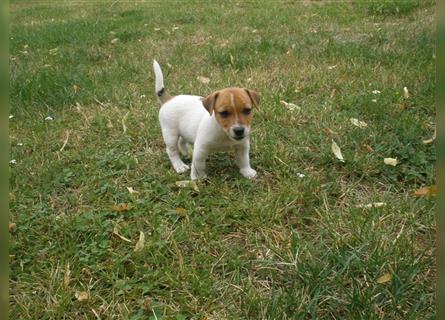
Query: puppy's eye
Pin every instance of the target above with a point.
(247, 111)
(224, 114)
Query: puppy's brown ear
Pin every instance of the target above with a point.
(209, 101)
(254, 96)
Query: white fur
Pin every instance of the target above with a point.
(159, 77)
(184, 119)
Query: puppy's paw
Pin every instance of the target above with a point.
(194, 175)
(181, 168)
(248, 173)
(198, 176)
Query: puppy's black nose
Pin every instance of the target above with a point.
(238, 131)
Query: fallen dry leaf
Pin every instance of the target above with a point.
(401, 106)
(66, 276)
(385, 278)
(116, 233)
(131, 190)
(405, 93)
(368, 147)
(329, 131)
(391, 161)
(430, 191)
(333, 92)
(372, 205)
(82, 296)
(124, 126)
(204, 80)
(141, 242)
(114, 40)
(188, 184)
(65, 141)
(337, 152)
(181, 212)
(290, 106)
(432, 138)
(53, 51)
(12, 226)
(358, 123)
(121, 207)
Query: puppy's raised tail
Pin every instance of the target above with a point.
(159, 83)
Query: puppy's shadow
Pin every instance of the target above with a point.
(222, 165)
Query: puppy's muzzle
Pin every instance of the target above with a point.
(238, 132)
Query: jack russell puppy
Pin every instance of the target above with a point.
(217, 122)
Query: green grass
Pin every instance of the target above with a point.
(279, 247)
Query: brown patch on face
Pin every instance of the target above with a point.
(254, 97)
(232, 106)
(209, 101)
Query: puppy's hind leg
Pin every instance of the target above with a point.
(183, 147)
(171, 142)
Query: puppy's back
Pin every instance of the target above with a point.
(183, 114)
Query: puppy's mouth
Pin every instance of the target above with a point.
(237, 138)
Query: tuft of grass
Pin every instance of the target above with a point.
(245, 54)
(296, 243)
(395, 7)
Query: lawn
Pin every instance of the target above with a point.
(89, 174)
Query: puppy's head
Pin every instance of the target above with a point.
(233, 110)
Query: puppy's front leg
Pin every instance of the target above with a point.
(200, 154)
(243, 161)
